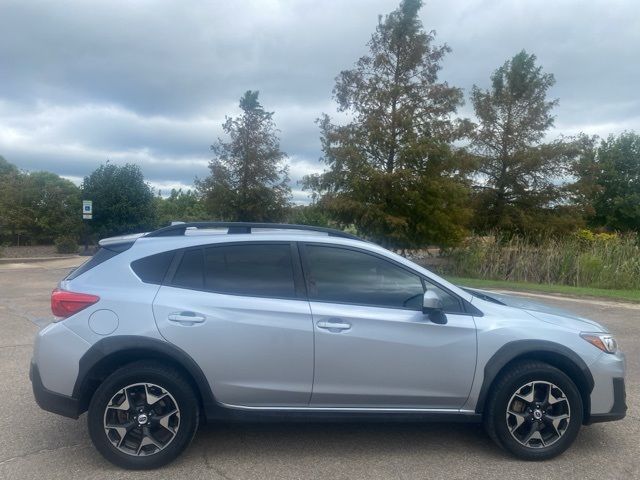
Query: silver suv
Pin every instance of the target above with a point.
(205, 321)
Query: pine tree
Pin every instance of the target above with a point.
(249, 177)
(519, 189)
(391, 169)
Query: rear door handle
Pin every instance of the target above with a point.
(186, 318)
(333, 326)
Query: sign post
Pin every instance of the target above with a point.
(87, 209)
(87, 214)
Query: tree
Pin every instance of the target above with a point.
(609, 181)
(122, 201)
(312, 214)
(7, 168)
(392, 172)
(51, 208)
(179, 206)
(519, 188)
(249, 177)
(36, 207)
(8, 179)
(12, 216)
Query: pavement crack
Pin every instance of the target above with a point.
(210, 466)
(42, 450)
(19, 345)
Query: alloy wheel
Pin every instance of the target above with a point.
(538, 414)
(141, 419)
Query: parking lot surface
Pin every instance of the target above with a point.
(38, 445)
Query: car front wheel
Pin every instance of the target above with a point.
(535, 411)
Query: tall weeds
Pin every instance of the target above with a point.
(583, 259)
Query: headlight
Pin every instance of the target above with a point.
(604, 341)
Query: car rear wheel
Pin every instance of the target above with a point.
(143, 415)
(535, 411)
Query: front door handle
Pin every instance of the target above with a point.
(186, 318)
(334, 326)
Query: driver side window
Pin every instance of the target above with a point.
(340, 275)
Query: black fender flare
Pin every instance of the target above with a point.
(553, 353)
(136, 347)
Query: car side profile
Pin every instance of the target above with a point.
(197, 322)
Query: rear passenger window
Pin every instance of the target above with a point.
(262, 270)
(252, 270)
(152, 269)
(190, 271)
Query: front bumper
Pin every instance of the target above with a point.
(619, 408)
(51, 401)
(608, 397)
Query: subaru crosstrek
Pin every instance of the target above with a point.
(203, 321)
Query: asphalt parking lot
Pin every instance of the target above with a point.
(36, 444)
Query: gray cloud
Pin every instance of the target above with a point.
(151, 82)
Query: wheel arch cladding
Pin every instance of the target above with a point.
(111, 353)
(554, 354)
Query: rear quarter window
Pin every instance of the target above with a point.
(153, 268)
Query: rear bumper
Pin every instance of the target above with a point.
(619, 409)
(51, 401)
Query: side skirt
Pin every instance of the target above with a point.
(223, 412)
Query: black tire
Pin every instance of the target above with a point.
(496, 420)
(182, 397)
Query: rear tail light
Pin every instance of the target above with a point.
(64, 303)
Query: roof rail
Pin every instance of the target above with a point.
(245, 227)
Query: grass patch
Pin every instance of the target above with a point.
(629, 295)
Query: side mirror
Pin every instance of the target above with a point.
(432, 306)
(430, 302)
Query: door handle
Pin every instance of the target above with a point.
(186, 318)
(334, 326)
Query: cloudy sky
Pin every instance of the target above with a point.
(150, 82)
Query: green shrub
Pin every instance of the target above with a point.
(66, 244)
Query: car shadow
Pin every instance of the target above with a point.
(328, 437)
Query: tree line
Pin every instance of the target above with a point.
(404, 170)
(43, 208)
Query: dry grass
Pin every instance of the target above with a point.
(581, 260)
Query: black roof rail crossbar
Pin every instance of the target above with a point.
(244, 227)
